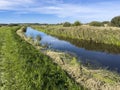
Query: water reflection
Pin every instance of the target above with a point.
(90, 45)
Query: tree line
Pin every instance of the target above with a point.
(114, 22)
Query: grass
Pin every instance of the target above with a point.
(22, 67)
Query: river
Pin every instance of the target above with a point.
(96, 59)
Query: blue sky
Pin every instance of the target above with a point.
(55, 11)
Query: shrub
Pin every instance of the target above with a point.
(24, 29)
(95, 23)
(116, 21)
(66, 24)
(106, 23)
(76, 23)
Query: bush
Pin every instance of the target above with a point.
(24, 29)
(95, 23)
(116, 21)
(77, 23)
(105, 22)
(66, 24)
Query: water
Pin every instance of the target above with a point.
(95, 58)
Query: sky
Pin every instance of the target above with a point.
(57, 11)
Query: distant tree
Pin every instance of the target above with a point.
(12, 24)
(77, 23)
(3, 24)
(66, 24)
(115, 21)
(106, 23)
(95, 23)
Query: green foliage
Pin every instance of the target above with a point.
(24, 29)
(95, 23)
(105, 22)
(25, 68)
(66, 24)
(77, 23)
(116, 21)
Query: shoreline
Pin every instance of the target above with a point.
(93, 79)
(101, 35)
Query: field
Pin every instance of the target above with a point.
(22, 67)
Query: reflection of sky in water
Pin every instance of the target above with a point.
(110, 60)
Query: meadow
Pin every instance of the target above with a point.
(22, 67)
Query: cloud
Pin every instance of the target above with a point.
(61, 9)
(14, 4)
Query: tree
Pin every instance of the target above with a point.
(95, 23)
(77, 23)
(105, 22)
(66, 24)
(115, 21)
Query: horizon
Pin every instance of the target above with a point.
(57, 11)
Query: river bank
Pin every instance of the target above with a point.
(93, 79)
(22, 67)
(104, 35)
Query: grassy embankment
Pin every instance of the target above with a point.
(96, 78)
(22, 67)
(92, 79)
(101, 38)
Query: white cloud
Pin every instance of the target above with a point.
(61, 9)
(14, 4)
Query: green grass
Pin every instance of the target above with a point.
(22, 67)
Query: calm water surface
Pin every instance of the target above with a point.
(95, 58)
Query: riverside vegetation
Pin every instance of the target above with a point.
(93, 79)
(22, 67)
(105, 35)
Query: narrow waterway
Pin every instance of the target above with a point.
(95, 58)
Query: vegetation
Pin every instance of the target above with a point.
(77, 23)
(90, 78)
(66, 24)
(22, 67)
(95, 23)
(105, 22)
(116, 21)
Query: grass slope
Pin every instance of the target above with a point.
(22, 67)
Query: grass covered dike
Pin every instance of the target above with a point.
(22, 67)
